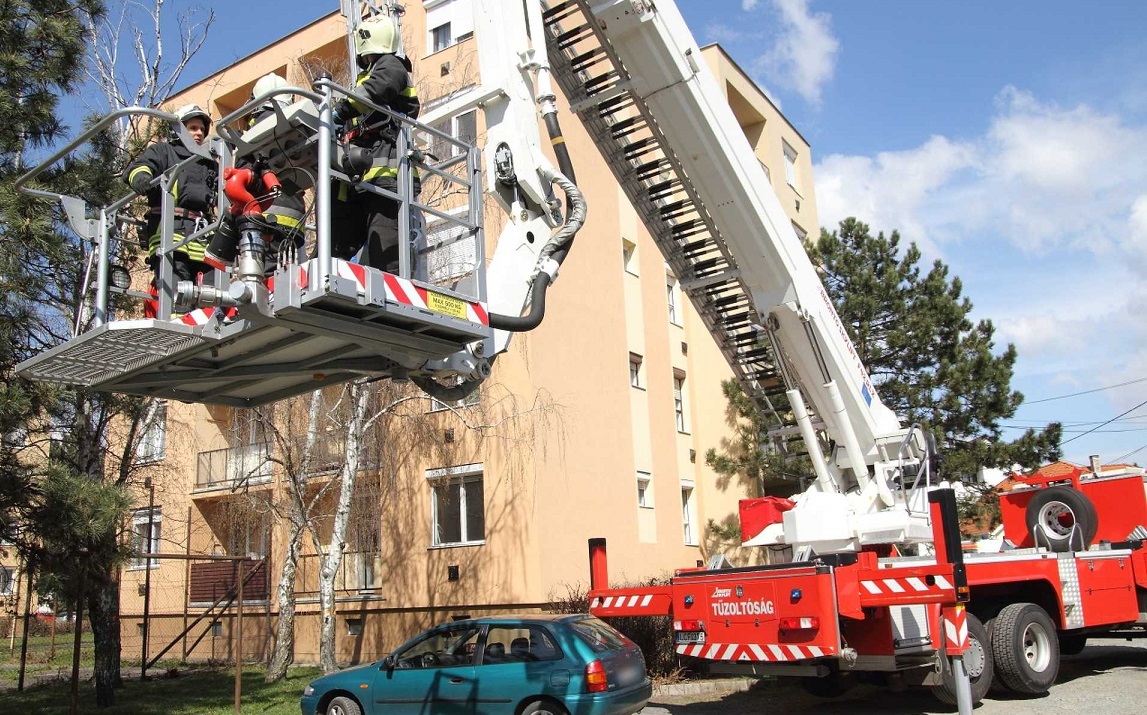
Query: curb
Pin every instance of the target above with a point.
(699, 687)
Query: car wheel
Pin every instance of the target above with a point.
(543, 707)
(343, 705)
(978, 661)
(1062, 518)
(1026, 648)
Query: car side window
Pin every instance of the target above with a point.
(598, 635)
(441, 647)
(519, 644)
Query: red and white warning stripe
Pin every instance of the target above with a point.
(754, 652)
(201, 316)
(405, 292)
(956, 628)
(351, 271)
(911, 584)
(615, 602)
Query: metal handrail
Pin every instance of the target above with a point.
(925, 470)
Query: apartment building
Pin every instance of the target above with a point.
(605, 414)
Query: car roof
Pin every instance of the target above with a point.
(523, 618)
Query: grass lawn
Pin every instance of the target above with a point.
(198, 692)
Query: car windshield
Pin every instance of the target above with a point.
(598, 635)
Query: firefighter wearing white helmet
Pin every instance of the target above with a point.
(282, 220)
(193, 191)
(265, 85)
(385, 79)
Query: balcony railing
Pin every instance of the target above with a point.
(213, 580)
(234, 468)
(359, 575)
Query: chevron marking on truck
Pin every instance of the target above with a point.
(904, 585)
(635, 601)
(770, 652)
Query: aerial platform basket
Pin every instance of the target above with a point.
(361, 322)
(315, 322)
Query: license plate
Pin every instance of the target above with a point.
(690, 636)
(446, 305)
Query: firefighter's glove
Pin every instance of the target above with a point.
(140, 182)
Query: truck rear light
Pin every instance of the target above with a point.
(688, 625)
(595, 678)
(804, 623)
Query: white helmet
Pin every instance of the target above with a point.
(190, 111)
(269, 83)
(376, 37)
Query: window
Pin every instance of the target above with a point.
(248, 536)
(153, 440)
(801, 233)
(440, 38)
(354, 626)
(790, 163)
(463, 127)
(768, 174)
(451, 252)
(7, 581)
(687, 514)
(449, 22)
(57, 444)
(442, 647)
(644, 493)
(635, 379)
(629, 256)
(672, 293)
(216, 629)
(457, 506)
(679, 399)
(145, 527)
(519, 644)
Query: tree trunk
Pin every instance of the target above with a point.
(103, 611)
(284, 653)
(333, 558)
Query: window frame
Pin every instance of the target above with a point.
(679, 402)
(140, 519)
(644, 490)
(463, 476)
(151, 447)
(688, 495)
(790, 163)
(635, 375)
(629, 256)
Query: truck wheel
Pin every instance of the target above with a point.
(1025, 648)
(1053, 512)
(1072, 644)
(977, 661)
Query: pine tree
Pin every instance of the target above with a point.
(931, 363)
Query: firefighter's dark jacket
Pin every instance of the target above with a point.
(194, 189)
(387, 82)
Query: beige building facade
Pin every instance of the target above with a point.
(593, 425)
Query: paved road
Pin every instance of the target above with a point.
(1108, 678)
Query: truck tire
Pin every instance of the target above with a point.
(978, 661)
(1053, 512)
(1025, 648)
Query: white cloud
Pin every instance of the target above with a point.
(803, 56)
(1044, 216)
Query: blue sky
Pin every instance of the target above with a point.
(1005, 138)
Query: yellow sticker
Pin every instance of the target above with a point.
(446, 305)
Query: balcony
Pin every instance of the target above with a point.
(213, 580)
(359, 577)
(234, 468)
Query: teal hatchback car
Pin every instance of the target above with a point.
(532, 665)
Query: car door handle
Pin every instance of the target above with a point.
(457, 681)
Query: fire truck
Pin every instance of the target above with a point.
(879, 584)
